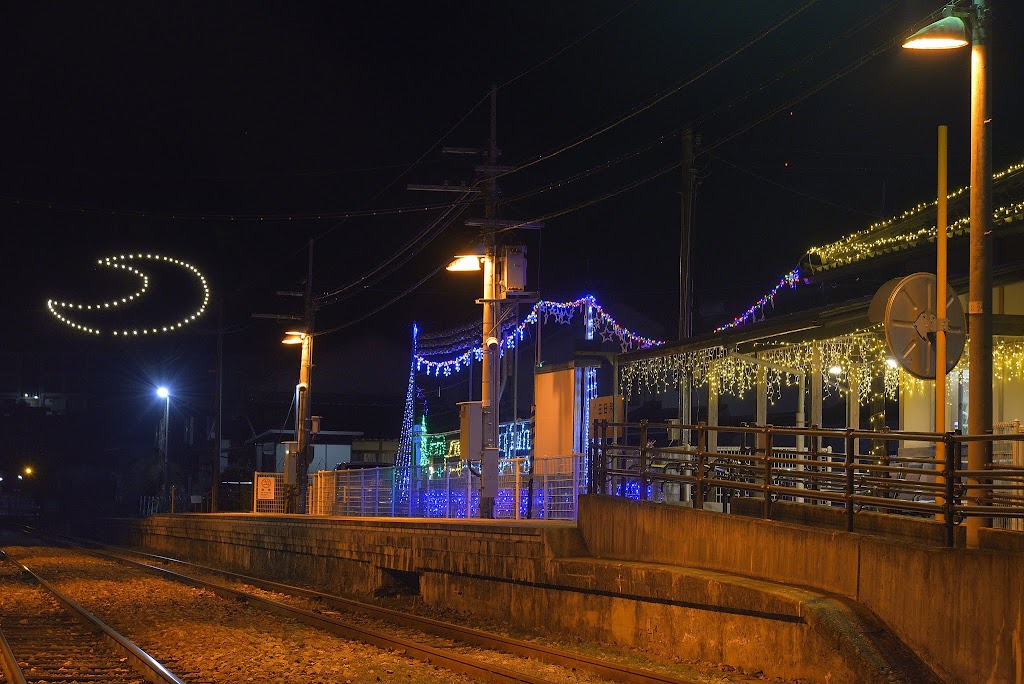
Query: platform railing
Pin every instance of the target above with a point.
(547, 489)
(900, 473)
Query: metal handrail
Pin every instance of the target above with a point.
(891, 484)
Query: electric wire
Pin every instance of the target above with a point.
(693, 78)
(383, 306)
(873, 18)
(707, 149)
(604, 166)
(398, 257)
(800, 193)
(747, 94)
(571, 45)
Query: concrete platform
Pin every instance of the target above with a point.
(756, 594)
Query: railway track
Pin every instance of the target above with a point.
(69, 567)
(197, 575)
(47, 637)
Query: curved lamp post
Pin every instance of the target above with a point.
(952, 32)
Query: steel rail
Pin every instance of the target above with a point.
(457, 663)
(9, 663)
(603, 668)
(139, 660)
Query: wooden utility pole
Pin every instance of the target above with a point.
(303, 389)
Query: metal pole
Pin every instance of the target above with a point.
(850, 464)
(768, 455)
(642, 465)
(167, 416)
(940, 308)
(215, 488)
(979, 306)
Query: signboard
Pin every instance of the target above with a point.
(264, 489)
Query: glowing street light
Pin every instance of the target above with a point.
(951, 32)
(164, 394)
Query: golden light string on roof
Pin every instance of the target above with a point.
(850, 248)
(62, 310)
(849, 361)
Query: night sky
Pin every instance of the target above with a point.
(229, 134)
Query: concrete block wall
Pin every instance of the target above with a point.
(960, 610)
(350, 555)
(542, 576)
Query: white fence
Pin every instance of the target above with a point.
(1007, 453)
(452, 490)
(269, 493)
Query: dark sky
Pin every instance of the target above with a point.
(125, 124)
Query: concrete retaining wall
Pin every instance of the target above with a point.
(961, 611)
(671, 581)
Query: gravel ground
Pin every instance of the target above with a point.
(695, 670)
(208, 639)
(205, 638)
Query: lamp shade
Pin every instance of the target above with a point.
(943, 34)
(467, 262)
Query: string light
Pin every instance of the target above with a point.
(1007, 366)
(860, 356)
(125, 262)
(857, 246)
(874, 241)
(604, 325)
(790, 280)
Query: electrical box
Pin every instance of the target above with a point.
(471, 431)
(291, 452)
(513, 275)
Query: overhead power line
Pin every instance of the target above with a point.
(845, 71)
(693, 78)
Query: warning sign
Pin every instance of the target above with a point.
(264, 489)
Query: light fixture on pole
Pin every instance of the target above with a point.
(951, 32)
(302, 403)
(164, 394)
(493, 294)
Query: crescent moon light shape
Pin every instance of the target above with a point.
(125, 262)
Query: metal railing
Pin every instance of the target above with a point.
(818, 467)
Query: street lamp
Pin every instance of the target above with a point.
(164, 394)
(302, 410)
(951, 32)
(489, 366)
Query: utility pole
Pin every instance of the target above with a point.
(302, 408)
(489, 369)
(685, 230)
(686, 211)
(297, 475)
(495, 268)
